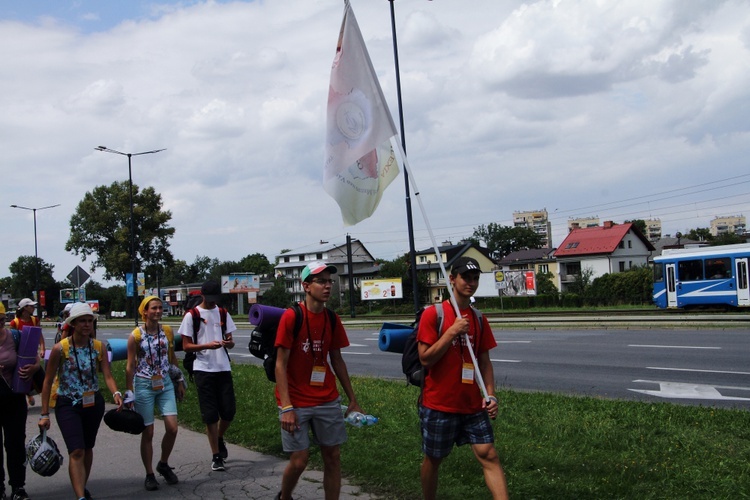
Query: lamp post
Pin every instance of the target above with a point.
(132, 222)
(36, 252)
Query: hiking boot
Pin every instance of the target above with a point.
(166, 471)
(19, 494)
(217, 463)
(223, 449)
(151, 484)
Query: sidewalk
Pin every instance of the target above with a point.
(118, 471)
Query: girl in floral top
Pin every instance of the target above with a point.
(151, 359)
(76, 360)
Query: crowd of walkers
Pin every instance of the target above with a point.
(455, 408)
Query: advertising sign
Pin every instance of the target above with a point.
(69, 295)
(129, 284)
(379, 289)
(94, 305)
(141, 284)
(519, 283)
(240, 283)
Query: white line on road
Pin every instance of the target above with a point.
(513, 341)
(673, 346)
(695, 370)
(505, 360)
(359, 353)
(357, 345)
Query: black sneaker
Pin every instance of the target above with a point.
(151, 484)
(19, 494)
(223, 449)
(87, 494)
(217, 463)
(166, 471)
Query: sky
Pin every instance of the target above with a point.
(621, 110)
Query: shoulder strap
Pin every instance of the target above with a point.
(137, 334)
(16, 334)
(223, 319)
(332, 317)
(297, 319)
(440, 318)
(170, 339)
(478, 314)
(99, 350)
(14, 323)
(196, 323)
(65, 347)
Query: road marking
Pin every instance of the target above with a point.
(505, 360)
(513, 341)
(357, 345)
(695, 370)
(678, 390)
(359, 353)
(673, 346)
(373, 340)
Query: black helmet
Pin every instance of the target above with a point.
(43, 455)
(124, 420)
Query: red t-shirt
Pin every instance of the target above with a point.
(315, 330)
(443, 387)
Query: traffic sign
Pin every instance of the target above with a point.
(78, 276)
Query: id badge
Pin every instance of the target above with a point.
(467, 373)
(318, 376)
(88, 399)
(157, 382)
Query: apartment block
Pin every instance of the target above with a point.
(582, 223)
(728, 224)
(537, 221)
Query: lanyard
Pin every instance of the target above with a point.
(158, 347)
(78, 366)
(322, 335)
(476, 335)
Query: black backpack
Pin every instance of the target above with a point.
(190, 357)
(269, 338)
(410, 363)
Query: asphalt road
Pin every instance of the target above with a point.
(709, 367)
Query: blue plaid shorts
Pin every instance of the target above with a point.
(441, 430)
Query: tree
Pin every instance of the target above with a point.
(100, 227)
(23, 280)
(545, 284)
(256, 263)
(502, 240)
(640, 224)
(277, 295)
(728, 239)
(700, 234)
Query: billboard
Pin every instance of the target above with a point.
(516, 283)
(69, 295)
(379, 289)
(240, 283)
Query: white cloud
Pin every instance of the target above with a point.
(567, 104)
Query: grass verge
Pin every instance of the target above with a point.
(551, 446)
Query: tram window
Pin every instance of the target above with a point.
(658, 272)
(690, 270)
(718, 268)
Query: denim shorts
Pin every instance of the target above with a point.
(326, 422)
(441, 430)
(146, 399)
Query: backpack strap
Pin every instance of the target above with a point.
(223, 319)
(16, 334)
(137, 334)
(298, 319)
(196, 315)
(170, 340)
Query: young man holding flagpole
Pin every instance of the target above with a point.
(452, 409)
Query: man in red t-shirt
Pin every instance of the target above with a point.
(452, 409)
(306, 385)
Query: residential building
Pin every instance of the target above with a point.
(610, 248)
(581, 222)
(537, 221)
(728, 224)
(539, 260)
(427, 262)
(290, 264)
(653, 229)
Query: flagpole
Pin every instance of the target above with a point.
(454, 302)
(409, 221)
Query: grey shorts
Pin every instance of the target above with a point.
(326, 422)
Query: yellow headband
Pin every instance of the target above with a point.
(144, 304)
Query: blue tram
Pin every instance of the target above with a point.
(704, 276)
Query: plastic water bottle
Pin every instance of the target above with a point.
(358, 419)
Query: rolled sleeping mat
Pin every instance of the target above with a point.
(393, 336)
(28, 346)
(265, 318)
(118, 348)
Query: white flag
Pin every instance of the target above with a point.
(360, 162)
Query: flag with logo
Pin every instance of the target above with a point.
(360, 162)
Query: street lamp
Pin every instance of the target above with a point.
(132, 223)
(36, 253)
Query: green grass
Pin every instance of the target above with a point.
(551, 446)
